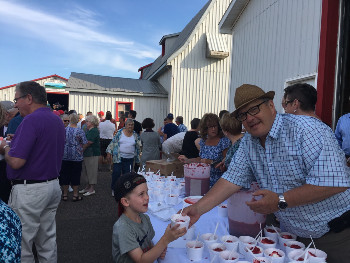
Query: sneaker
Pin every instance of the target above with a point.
(112, 193)
(83, 191)
(89, 193)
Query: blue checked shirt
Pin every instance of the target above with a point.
(298, 150)
(182, 128)
(342, 133)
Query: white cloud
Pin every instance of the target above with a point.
(79, 36)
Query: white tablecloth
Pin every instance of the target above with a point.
(206, 224)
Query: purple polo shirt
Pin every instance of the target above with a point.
(39, 140)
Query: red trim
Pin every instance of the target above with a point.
(122, 102)
(37, 80)
(146, 66)
(163, 48)
(63, 93)
(327, 59)
(142, 68)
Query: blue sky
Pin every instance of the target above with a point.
(111, 37)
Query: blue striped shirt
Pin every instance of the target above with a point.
(298, 150)
(342, 133)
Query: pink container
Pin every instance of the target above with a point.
(197, 177)
(242, 220)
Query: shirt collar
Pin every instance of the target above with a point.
(276, 126)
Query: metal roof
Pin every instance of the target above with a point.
(104, 84)
(180, 41)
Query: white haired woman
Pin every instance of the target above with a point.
(72, 161)
(91, 155)
(125, 149)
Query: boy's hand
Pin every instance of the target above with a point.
(162, 256)
(173, 233)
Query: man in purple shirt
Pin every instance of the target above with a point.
(33, 165)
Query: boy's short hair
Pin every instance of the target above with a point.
(126, 183)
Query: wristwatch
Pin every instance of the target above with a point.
(282, 204)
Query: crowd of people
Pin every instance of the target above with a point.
(297, 160)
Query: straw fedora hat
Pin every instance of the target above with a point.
(247, 93)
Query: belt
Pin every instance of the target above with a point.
(31, 181)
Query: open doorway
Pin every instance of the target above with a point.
(342, 96)
(58, 98)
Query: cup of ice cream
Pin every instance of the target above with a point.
(267, 242)
(209, 238)
(182, 221)
(244, 241)
(231, 242)
(194, 250)
(294, 245)
(214, 251)
(228, 256)
(222, 210)
(276, 255)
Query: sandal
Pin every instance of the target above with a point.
(77, 198)
(64, 197)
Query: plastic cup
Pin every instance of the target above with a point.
(244, 241)
(252, 251)
(227, 256)
(182, 221)
(214, 251)
(316, 255)
(190, 233)
(267, 242)
(209, 238)
(222, 210)
(231, 242)
(276, 255)
(284, 237)
(194, 250)
(294, 245)
(295, 255)
(261, 260)
(172, 199)
(270, 232)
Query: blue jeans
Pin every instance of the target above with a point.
(121, 168)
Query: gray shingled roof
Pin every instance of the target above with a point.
(180, 41)
(89, 82)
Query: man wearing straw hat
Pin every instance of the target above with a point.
(298, 165)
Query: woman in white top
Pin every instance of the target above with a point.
(125, 149)
(107, 129)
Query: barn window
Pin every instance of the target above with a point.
(123, 109)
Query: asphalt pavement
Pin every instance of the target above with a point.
(84, 228)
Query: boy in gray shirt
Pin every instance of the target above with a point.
(133, 232)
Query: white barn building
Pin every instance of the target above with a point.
(280, 42)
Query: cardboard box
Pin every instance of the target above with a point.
(166, 168)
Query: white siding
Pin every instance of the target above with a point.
(200, 85)
(146, 107)
(275, 40)
(9, 93)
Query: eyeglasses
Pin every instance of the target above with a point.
(16, 99)
(285, 103)
(66, 120)
(252, 111)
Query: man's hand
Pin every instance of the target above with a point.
(267, 204)
(2, 145)
(109, 157)
(192, 212)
